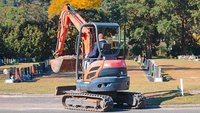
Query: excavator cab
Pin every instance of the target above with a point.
(106, 50)
(105, 72)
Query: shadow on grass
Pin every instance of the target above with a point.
(62, 75)
(161, 57)
(167, 66)
(27, 81)
(167, 77)
(156, 98)
(180, 68)
(134, 69)
(173, 67)
(34, 80)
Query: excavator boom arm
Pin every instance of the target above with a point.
(67, 15)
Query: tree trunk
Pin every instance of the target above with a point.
(183, 38)
(149, 52)
(149, 49)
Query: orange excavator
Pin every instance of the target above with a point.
(101, 79)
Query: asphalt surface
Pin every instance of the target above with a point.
(52, 104)
(194, 110)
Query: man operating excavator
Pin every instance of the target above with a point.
(95, 52)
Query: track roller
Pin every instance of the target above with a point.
(87, 102)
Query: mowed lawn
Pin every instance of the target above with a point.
(45, 84)
(167, 92)
(156, 93)
(40, 85)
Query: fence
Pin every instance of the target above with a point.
(152, 70)
(14, 74)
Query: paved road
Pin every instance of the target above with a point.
(193, 110)
(52, 104)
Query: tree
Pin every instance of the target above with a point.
(152, 22)
(144, 31)
(2, 46)
(26, 32)
(56, 5)
(177, 24)
(196, 20)
(141, 28)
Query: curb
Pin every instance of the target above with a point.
(173, 106)
(27, 95)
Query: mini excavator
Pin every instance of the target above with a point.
(101, 80)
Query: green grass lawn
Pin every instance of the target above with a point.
(40, 85)
(166, 92)
(156, 93)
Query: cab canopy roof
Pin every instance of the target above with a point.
(100, 24)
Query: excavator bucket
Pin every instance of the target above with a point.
(61, 90)
(63, 64)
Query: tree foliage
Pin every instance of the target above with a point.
(152, 22)
(26, 32)
(56, 5)
(153, 26)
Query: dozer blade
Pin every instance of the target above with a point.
(61, 90)
(63, 64)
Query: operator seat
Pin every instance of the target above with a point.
(106, 50)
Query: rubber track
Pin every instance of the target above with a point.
(107, 101)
